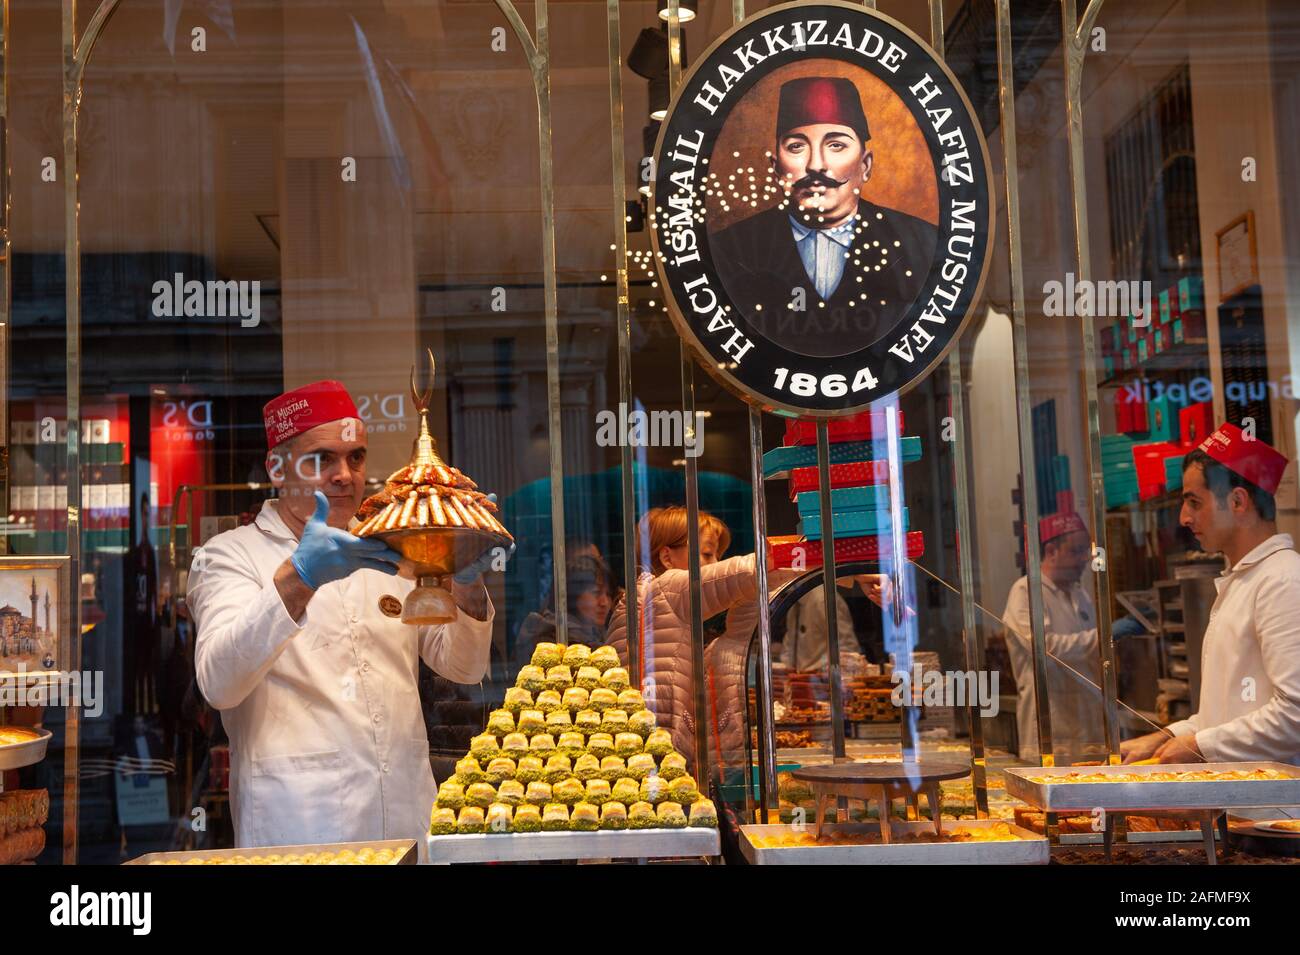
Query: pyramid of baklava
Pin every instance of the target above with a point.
(572, 747)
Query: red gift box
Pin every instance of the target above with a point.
(1149, 461)
(1196, 422)
(1193, 324)
(863, 426)
(785, 550)
(1130, 411)
(848, 474)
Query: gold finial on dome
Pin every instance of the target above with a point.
(434, 516)
(425, 450)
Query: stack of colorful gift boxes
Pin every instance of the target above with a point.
(1147, 462)
(1179, 316)
(859, 489)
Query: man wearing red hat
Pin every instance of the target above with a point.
(1070, 631)
(301, 647)
(1250, 657)
(859, 265)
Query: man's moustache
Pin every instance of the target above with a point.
(817, 179)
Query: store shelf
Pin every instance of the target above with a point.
(1168, 499)
(1178, 357)
(553, 846)
(1027, 848)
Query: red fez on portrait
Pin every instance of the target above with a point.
(1259, 463)
(821, 99)
(304, 408)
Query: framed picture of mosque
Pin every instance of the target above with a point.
(34, 615)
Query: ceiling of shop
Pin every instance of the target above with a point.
(228, 153)
(189, 151)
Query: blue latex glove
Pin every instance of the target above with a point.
(326, 553)
(1127, 626)
(483, 563)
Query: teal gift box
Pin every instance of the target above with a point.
(1164, 316)
(1162, 419)
(850, 524)
(1190, 293)
(874, 497)
(1176, 331)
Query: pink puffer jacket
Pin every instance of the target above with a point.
(663, 604)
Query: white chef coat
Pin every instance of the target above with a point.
(1070, 632)
(327, 740)
(1250, 661)
(808, 638)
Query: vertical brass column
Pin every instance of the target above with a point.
(827, 514)
(1033, 570)
(539, 64)
(767, 796)
(6, 250)
(700, 704)
(1074, 42)
(72, 311)
(965, 540)
(624, 321)
(75, 57)
(768, 800)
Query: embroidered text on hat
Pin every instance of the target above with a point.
(304, 408)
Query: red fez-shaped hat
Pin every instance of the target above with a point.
(821, 99)
(1054, 525)
(1259, 463)
(303, 408)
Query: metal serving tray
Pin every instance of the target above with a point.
(550, 846)
(1084, 797)
(1029, 849)
(18, 755)
(406, 846)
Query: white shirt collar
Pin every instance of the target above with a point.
(1065, 591)
(270, 522)
(841, 234)
(1270, 546)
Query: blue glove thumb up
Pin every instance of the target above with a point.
(327, 553)
(322, 511)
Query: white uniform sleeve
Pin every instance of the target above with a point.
(1077, 648)
(1183, 727)
(459, 650)
(1273, 730)
(242, 624)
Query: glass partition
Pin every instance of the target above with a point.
(269, 196)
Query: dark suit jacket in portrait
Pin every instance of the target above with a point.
(758, 263)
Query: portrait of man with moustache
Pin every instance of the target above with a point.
(859, 265)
